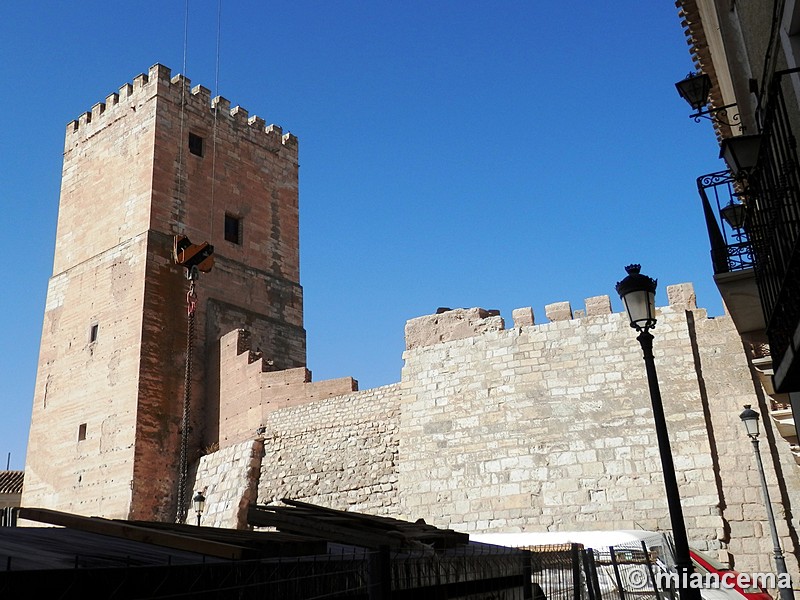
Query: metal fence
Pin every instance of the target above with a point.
(624, 572)
(464, 572)
(8, 516)
(474, 572)
(557, 572)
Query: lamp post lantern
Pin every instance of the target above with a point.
(740, 153)
(199, 502)
(696, 90)
(750, 419)
(638, 294)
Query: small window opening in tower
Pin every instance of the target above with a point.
(93, 332)
(233, 229)
(81, 432)
(195, 144)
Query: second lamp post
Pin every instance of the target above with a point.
(638, 293)
(750, 419)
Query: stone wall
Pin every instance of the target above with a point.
(549, 427)
(340, 452)
(250, 390)
(541, 427)
(750, 547)
(229, 481)
(79, 456)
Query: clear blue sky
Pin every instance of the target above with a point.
(494, 154)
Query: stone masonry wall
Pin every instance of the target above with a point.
(229, 481)
(750, 547)
(549, 427)
(84, 407)
(321, 442)
(340, 452)
(539, 427)
(250, 391)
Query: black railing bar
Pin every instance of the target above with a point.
(715, 236)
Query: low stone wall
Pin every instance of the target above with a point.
(340, 452)
(250, 388)
(229, 481)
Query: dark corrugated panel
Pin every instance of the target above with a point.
(11, 482)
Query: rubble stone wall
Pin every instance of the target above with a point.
(339, 452)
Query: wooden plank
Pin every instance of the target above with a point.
(268, 543)
(416, 531)
(123, 529)
(264, 517)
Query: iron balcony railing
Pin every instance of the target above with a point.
(730, 247)
(773, 216)
(769, 239)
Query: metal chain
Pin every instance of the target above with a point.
(191, 304)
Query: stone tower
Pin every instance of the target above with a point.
(155, 160)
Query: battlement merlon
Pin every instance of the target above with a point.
(460, 323)
(451, 324)
(159, 80)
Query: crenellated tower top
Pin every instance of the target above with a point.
(159, 80)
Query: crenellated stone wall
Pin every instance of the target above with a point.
(549, 427)
(537, 427)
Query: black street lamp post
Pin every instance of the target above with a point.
(638, 295)
(750, 419)
(199, 502)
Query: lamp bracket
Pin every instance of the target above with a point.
(719, 115)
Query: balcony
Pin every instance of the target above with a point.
(732, 255)
(753, 221)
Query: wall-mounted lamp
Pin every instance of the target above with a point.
(695, 89)
(734, 214)
(740, 152)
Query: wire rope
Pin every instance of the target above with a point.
(181, 509)
(216, 114)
